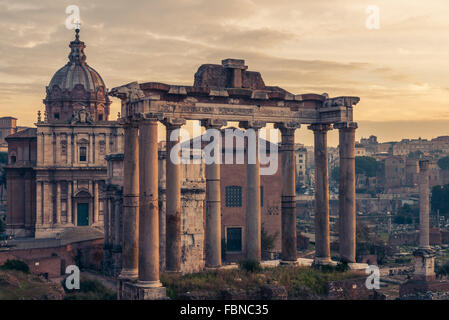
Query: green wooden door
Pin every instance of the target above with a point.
(83, 214)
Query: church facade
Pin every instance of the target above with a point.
(60, 165)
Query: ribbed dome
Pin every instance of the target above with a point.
(72, 74)
(77, 71)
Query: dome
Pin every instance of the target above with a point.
(77, 71)
(74, 87)
(72, 74)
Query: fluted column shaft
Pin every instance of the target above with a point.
(130, 245)
(322, 244)
(346, 198)
(149, 207)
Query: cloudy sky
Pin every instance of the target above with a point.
(400, 70)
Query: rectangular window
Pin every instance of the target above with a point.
(261, 196)
(233, 196)
(83, 154)
(234, 239)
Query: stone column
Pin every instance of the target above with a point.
(117, 240)
(288, 209)
(39, 213)
(48, 204)
(424, 206)
(69, 202)
(253, 215)
(96, 202)
(346, 197)
(173, 196)
(213, 202)
(149, 211)
(58, 203)
(322, 245)
(424, 255)
(130, 245)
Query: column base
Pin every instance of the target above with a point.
(128, 274)
(212, 268)
(357, 266)
(424, 264)
(142, 290)
(324, 261)
(288, 262)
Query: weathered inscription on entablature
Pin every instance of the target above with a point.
(237, 111)
(191, 109)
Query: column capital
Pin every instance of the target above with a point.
(254, 124)
(213, 123)
(320, 127)
(173, 123)
(287, 126)
(346, 125)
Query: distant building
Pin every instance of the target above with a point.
(301, 164)
(8, 125)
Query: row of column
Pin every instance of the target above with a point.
(140, 248)
(44, 203)
(347, 207)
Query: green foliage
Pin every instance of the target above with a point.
(89, 290)
(370, 243)
(335, 173)
(406, 215)
(267, 241)
(250, 265)
(2, 177)
(4, 157)
(15, 265)
(440, 194)
(366, 165)
(300, 282)
(443, 163)
(442, 270)
(2, 226)
(224, 247)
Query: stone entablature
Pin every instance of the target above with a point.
(233, 104)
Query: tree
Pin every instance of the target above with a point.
(335, 173)
(440, 194)
(443, 163)
(267, 241)
(366, 165)
(406, 215)
(4, 157)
